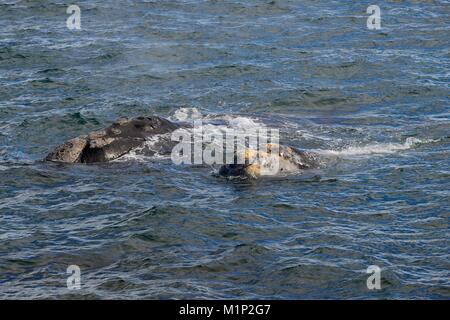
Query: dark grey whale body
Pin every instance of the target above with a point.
(127, 134)
(113, 142)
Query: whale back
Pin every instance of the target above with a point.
(112, 142)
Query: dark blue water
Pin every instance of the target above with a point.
(375, 103)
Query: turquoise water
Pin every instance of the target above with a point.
(375, 103)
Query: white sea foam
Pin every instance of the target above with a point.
(238, 124)
(211, 127)
(233, 122)
(186, 114)
(243, 123)
(377, 148)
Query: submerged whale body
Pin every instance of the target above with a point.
(126, 135)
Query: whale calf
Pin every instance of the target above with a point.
(287, 159)
(127, 134)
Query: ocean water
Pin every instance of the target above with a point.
(374, 103)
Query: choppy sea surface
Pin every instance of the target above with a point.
(373, 102)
